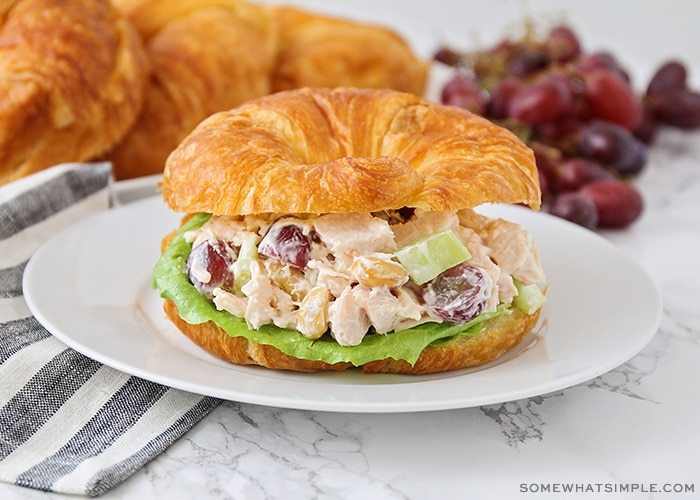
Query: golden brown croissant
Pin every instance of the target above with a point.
(323, 51)
(72, 80)
(206, 55)
(347, 150)
(211, 55)
(341, 156)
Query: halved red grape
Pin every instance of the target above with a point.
(459, 294)
(209, 267)
(286, 242)
(618, 203)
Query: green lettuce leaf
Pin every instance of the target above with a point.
(170, 277)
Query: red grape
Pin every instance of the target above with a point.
(669, 99)
(612, 145)
(526, 62)
(670, 76)
(561, 131)
(287, 243)
(679, 109)
(464, 92)
(562, 44)
(575, 207)
(209, 267)
(633, 158)
(618, 203)
(574, 173)
(543, 101)
(600, 141)
(548, 160)
(645, 130)
(602, 60)
(448, 56)
(500, 96)
(612, 99)
(459, 294)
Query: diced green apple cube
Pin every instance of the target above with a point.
(530, 298)
(430, 255)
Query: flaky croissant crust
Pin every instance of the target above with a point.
(316, 50)
(347, 150)
(72, 76)
(206, 56)
(211, 55)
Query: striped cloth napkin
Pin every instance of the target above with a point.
(67, 423)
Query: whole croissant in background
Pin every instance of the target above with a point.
(211, 55)
(72, 81)
(206, 56)
(320, 51)
(126, 81)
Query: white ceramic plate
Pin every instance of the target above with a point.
(90, 286)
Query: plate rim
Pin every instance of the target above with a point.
(147, 203)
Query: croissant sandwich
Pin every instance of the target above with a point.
(334, 228)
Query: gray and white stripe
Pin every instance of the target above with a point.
(69, 424)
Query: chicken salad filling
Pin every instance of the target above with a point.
(362, 273)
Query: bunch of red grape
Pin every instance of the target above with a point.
(580, 114)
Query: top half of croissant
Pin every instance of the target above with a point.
(347, 150)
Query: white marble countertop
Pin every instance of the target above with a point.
(630, 433)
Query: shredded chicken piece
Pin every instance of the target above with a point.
(267, 303)
(227, 301)
(348, 235)
(379, 304)
(415, 312)
(349, 322)
(329, 276)
(514, 251)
